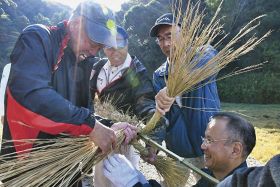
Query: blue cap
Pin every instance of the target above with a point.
(99, 22)
(165, 19)
(122, 37)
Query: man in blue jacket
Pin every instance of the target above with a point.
(46, 93)
(228, 141)
(189, 113)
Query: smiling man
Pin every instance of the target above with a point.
(123, 79)
(42, 99)
(229, 139)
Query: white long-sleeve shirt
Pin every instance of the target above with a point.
(3, 85)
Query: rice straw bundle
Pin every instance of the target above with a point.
(191, 44)
(60, 161)
(174, 173)
(56, 163)
(107, 110)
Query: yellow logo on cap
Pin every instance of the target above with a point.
(111, 25)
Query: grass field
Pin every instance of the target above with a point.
(266, 119)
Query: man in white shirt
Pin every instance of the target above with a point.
(122, 79)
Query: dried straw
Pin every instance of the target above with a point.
(173, 172)
(192, 43)
(54, 162)
(61, 161)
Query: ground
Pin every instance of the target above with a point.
(266, 120)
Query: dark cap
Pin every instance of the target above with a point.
(165, 19)
(99, 22)
(122, 38)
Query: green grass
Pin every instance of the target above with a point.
(266, 119)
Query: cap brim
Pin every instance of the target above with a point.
(100, 34)
(122, 43)
(154, 29)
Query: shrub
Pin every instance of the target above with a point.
(251, 88)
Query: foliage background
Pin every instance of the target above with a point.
(137, 16)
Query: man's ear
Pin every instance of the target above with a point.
(75, 24)
(237, 150)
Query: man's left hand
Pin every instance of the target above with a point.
(152, 155)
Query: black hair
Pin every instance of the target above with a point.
(240, 130)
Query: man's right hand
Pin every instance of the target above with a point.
(103, 137)
(163, 102)
(130, 131)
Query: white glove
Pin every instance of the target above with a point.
(142, 178)
(120, 171)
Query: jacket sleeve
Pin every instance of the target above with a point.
(144, 95)
(30, 86)
(267, 175)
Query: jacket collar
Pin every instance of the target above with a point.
(121, 67)
(163, 69)
(240, 167)
(135, 64)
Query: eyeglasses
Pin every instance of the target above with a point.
(160, 39)
(207, 141)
